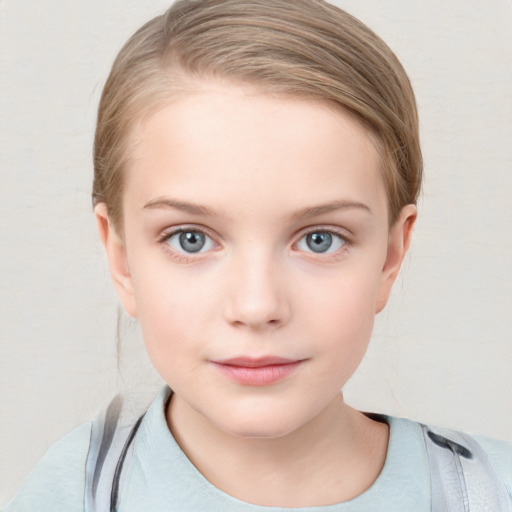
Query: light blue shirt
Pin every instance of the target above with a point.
(161, 478)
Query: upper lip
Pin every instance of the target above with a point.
(255, 362)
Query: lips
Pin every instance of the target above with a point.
(251, 362)
(262, 371)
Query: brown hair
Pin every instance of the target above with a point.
(304, 48)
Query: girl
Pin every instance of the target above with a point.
(257, 166)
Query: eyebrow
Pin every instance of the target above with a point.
(332, 206)
(167, 203)
(303, 213)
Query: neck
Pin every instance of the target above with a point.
(332, 458)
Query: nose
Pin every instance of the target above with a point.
(257, 295)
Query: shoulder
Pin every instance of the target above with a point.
(500, 453)
(57, 481)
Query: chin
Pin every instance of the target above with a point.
(259, 426)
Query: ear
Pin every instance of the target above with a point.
(398, 244)
(117, 260)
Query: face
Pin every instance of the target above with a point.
(256, 253)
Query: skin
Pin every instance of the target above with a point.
(266, 171)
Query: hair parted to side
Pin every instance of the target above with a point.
(302, 48)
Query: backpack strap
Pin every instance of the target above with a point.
(463, 477)
(110, 450)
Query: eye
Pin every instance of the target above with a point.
(190, 241)
(321, 242)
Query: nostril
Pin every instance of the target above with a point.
(250, 323)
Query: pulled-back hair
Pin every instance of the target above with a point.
(302, 48)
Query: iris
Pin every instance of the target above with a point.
(319, 242)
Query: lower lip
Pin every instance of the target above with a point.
(259, 375)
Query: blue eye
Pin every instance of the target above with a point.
(321, 242)
(190, 241)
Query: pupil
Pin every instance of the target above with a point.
(319, 242)
(192, 241)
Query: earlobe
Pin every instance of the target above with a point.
(399, 240)
(117, 260)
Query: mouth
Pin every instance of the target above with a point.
(257, 371)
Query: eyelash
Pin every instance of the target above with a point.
(167, 235)
(331, 255)
(189, 257)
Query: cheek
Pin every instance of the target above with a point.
(344, 299)
(173, 311)
(342, 316)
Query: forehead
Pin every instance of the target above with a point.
(246, 149)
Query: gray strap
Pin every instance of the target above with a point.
(122, 464)
(463, 477)
(109, 444)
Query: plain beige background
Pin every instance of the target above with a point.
(442, 351)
